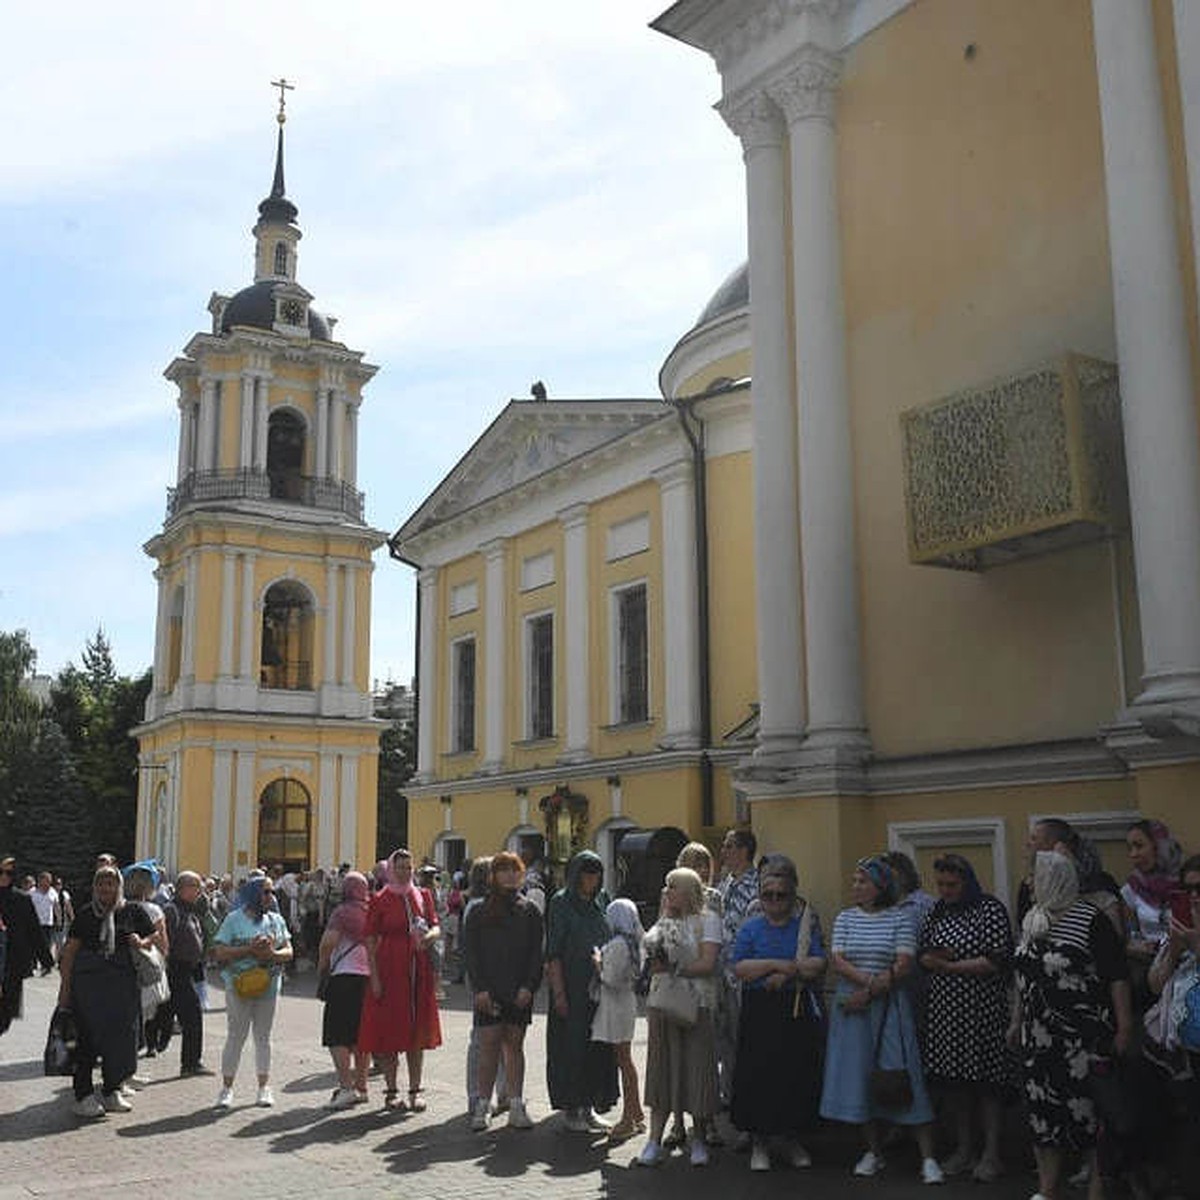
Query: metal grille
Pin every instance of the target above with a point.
(207, 487)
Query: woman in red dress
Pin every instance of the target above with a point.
(400, 1007)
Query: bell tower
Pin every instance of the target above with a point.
(258, 744)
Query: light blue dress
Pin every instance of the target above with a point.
(871, 941)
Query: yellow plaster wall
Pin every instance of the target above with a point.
(464, 570)
(974, 245)
(1172, 794)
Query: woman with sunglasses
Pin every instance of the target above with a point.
(25, 942)
(966, 948)
(778, 954)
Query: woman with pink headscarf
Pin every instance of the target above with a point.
(400, 1011)
(1155, 857)
(344, 968)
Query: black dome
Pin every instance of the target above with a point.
(255, 306)
(732, 295)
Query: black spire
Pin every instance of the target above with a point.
(277, 207)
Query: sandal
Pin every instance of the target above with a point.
(415, 1103)
(392, 1101)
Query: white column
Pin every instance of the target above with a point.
(183, 465)
(329, 672)
(572, 639)
(351, 472)
(826, 464)
(206, 449)
(427, 691)
(337, 429)
(246, 639)
(349, 612)
(246, 438)
(758, 124)
(326, 808)
(677, 489)
(222, 807)
(245, 802)
(495, 647)
(161, 631)
(322, 448)
(174, 786)
(228, 599)
(187, 667)
(347, 847)
(1157, 402)
(145, 791)
(260, 425)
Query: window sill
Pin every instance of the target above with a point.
(535, 743)
(469, 752)
(628, 726)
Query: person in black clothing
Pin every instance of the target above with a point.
(26, 943)
(185, 936)
(503, 944)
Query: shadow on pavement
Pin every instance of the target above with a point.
(29, 1069)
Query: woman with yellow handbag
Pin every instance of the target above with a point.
(251, 947)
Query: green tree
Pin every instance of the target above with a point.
(397, 762)
(19, 716)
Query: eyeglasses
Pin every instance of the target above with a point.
(776, 895)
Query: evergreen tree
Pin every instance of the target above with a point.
(19, 716)
(397, 762)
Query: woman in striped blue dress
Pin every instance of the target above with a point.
(871, 952)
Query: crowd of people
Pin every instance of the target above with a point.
(913, 1006)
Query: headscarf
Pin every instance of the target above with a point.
(252, 898)
(623, 920)
(972, 892)
(591, 862)
(1055, 889)
(1156, 886)
(108, 926)
(882, 876)
(350, 917)
(393, 883)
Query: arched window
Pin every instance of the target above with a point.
(174, 640)
(287, 637)
(285, 454)
(284, 825)
(281, 258)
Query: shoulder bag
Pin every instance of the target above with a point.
(673, 997)
(889, 1087)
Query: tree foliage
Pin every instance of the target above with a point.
(397, 763)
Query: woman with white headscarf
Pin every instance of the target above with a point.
(99, 986)
(618, 964)
(1072, 1014)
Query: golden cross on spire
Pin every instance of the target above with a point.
(284, 87)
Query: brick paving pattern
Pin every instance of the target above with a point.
(175, 1143)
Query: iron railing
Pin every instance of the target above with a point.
(208, 487)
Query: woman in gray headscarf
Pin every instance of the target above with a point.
(1072, 1011)
(99, 986)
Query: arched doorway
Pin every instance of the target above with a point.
(284, 825)
(285, 454)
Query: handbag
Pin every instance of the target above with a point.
(674, 998)
(889, 1087)
(252, 982)
(62, 1040)
(150, 966)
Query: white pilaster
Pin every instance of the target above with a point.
(183, 465)
(327, 799)
(246, 647)
(245, 803)
(187, 668)
(829, 573)
(246, 433)
(329, 672)
(222, 807)
(1158, 408)
(206, 449)
(261, 416)
(427, 692)
(322, 448)
(573, 638)
(349, 613)
(351, 472)
(228, 599)
(161, 631)
(677, 488)
(337, 430)
(347, 847)
(495, 649)
(759, 125)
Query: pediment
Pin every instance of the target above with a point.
(529, 440)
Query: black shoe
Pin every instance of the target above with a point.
(195, 1069)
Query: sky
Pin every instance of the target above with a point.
(489, 194)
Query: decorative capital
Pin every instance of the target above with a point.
(763, 20)
(427, 578)
(755, 120)
(808, 89)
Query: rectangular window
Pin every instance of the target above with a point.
(632, 667)
(539, 674)
(462, 705)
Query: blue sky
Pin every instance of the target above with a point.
(489, 194)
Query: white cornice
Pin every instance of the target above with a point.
(703, 346)
(258, 516)
(245, 340)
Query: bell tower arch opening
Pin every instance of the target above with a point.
(287, 637)
(286, 435)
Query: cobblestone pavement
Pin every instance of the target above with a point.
(175, 1143)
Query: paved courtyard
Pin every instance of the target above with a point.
(174, 1143)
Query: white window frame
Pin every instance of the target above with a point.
(527, 657)
(910, 836)
(614, 651)
(454, 697)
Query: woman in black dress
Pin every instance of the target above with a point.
(99, 985)
(25, 942)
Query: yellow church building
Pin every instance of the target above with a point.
(258, 744)
(908, 552)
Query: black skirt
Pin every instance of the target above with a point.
(777, 1079)
(343, 1008)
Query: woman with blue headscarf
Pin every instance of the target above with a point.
(966, 947)
(251, 947)
(872, 949)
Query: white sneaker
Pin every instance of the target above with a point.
(115, 1102)
(225, 1098)
(89, 1108)
(342, 1098)
(870, 1164)
(931, 1172)
(652, 1155)
(594, 1123)
(699, 1154)
(479, 1118)
(760, 1156)
(518, 1117)
(800, 1157)
(266, 1097)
